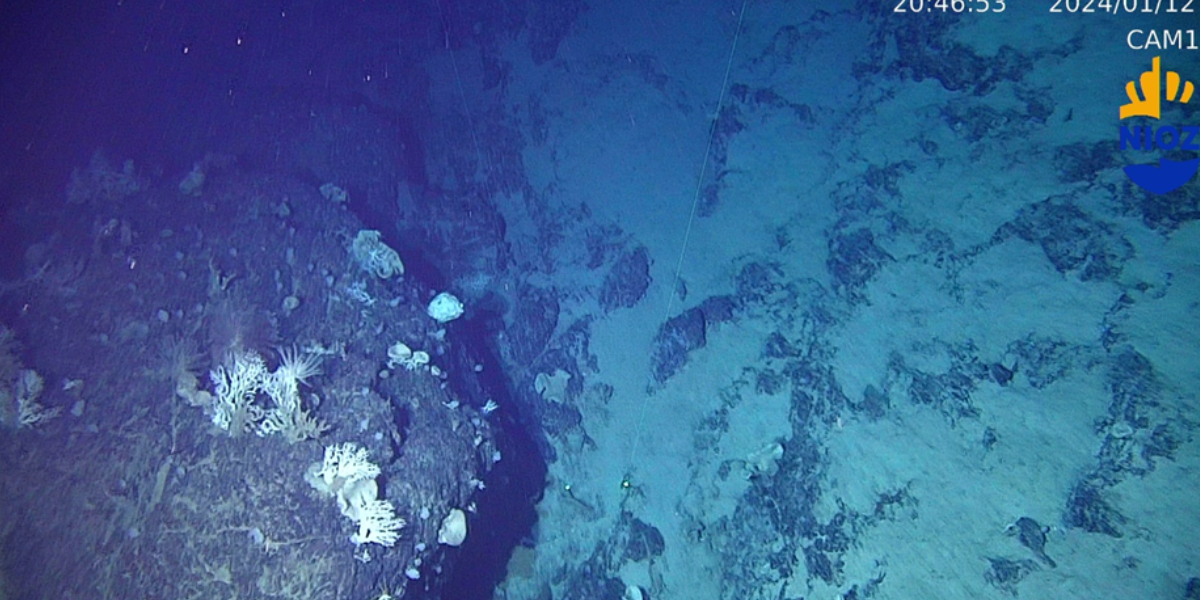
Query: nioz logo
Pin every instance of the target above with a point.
(1167, 175)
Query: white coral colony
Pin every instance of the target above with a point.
(348, 474)
(374, 256)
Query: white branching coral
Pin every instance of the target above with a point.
(346, 463)
(374, 256)
(294, 425)
(237, 384)
(20, 388)
(29, 411)
(288, 417)
(348, 474)
(291, 421)
(377, 524)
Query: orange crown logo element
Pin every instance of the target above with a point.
(1150, 105)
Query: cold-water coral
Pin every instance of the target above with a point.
(297, 366)
(347, 473)
(377, 523)
(374, 256)
(29, 411)
(236, 384)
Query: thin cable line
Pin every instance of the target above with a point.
(687, 232)
(462, 94)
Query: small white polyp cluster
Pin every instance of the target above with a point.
(348, 474)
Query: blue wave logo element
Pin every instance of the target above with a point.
(1166, 175)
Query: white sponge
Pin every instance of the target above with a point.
(445, 307)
